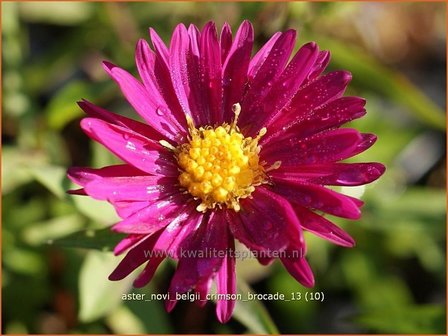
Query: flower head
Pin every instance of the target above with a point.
(233, 147)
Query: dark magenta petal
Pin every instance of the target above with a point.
(317, 197)
(319, 66)
(331, 115)
(260, 57)
(158, 85)
(325, 147)
(337, 174)
(147, 105)
(202, 253)
(263, 221)
(322, 227)
(235, 69)
(210, 65)
(203, 288)
(116, 119)
(282, 91)
(309, 97)
(300, 270)
(225, 41)
(148, 272)
(132, 147)
(226, 283)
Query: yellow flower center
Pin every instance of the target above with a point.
(219, 165)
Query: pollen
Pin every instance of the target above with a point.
(218, 165)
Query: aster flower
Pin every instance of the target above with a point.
(233, 147)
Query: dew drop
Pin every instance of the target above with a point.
(159, 111)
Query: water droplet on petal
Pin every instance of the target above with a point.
(159, 111)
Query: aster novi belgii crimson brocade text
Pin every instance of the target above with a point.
(234, 147)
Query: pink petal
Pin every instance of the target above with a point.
(262, 223)
(155, 216)
(116, 119)
(322, 227)
(225, 41)
(135, 149)
(300, 270)
(317, 197)
(145, 104)
(226, 283)
(235, 68)
(325, 147)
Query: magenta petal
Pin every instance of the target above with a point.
(127, 243)
(226, 284)
(300, 270)
(262, 223)
(225, 41)
(235, 68)
(146, 275)
(145, 104)
(135, 149)
(352, 174)
(134, 258)
(317, 197)
(155, 216)
(322, 227)
(83, 175)
(138, 188)
(116, 119)
(325, 147)
(126, 209)
(159, 47)
(260, 57)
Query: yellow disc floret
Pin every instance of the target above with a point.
(219, 165)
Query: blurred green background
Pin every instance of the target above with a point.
(393, 281)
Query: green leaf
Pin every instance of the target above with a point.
(63, 108)
(103, 239)
(99, 211)
(52, 177)
(423, 319)
(253, 314)
(98, 295)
